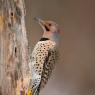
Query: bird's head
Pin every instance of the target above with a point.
(50, 28)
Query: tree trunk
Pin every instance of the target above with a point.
(13, 46)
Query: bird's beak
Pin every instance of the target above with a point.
(42, 23)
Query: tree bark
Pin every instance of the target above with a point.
(14, 54)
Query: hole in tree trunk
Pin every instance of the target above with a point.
(12, 14)
(16, 51)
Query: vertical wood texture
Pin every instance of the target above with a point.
(13, 46)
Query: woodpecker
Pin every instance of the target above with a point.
(44, 55)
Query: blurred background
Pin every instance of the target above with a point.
(75, 72)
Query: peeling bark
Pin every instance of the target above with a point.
(13, 46)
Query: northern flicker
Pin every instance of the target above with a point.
(43, 57)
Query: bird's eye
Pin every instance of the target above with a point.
(49, 24)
